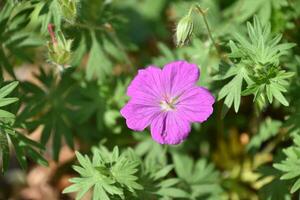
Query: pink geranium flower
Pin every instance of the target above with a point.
(168, 100)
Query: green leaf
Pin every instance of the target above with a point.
(79, 52)
(5, 114)
(183, 166)
(98, 64)
(173, 192)
(267, 129)
(163, 172)
(169, 182)
(232, 90)
(6, 90)
(7, 101)
(296, 186)
(290, 165)
(278, 95)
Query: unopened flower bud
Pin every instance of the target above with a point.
(59, 49)
(184, 30)
(68, 9)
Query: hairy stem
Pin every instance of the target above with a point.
(52, 34)
(203, 14)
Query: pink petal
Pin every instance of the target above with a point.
(169, 128)
(195, 104)
(147, 83)
(138, 116)
(180, 75)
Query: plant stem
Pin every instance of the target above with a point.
(165, 149)
(52, 34)
(203, 14)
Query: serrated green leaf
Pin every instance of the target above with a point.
(278, 95)
(98, 64)
(232, 90)
(290, 165)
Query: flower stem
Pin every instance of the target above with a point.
(52, 34)
(203, 14)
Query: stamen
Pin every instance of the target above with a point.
(168, 104)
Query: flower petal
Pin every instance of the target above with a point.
(195, 104)
(169, 128)
(147, 83)
(180, 75)
(137, 116)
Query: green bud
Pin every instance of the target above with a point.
(184, 30)
(68, 9)
(59, 49)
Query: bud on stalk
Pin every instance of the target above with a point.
(184, 30)
(59, 49)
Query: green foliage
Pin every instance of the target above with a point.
(267, 129)
(114, 175)
(276, 189)
(23, 146)
(261, 48)
(52, 100)
(43, 13)
(68, 9)
(243, 10)
(290, 166)
(256, 61)
(200, 178)
(156, 183)
(98, 65)
(154, 172)
(109, 174)
(14, 42)
(233, 89)
(126, 176)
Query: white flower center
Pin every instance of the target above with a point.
(168, 104)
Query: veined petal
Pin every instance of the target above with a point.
(137, 116)
(147, 83)
(195, 104)
(169, 128)
(180, 75)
